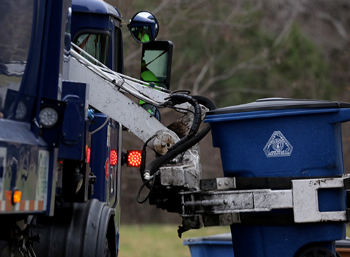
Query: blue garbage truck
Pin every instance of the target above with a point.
(64, 102)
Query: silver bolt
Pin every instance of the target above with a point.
(226, 183)
(219, 183)
(225, 201)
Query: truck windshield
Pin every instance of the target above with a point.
(15, 33)
(97, 45)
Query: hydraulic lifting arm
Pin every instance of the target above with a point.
(107, 93)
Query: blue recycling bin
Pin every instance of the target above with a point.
(283, 138)
(221, 245)
(210, 246)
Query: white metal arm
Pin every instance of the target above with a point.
(106, 94)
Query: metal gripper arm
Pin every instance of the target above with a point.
(220, 203)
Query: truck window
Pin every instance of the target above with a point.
(15, 31)
(97, 45)
(118, 50)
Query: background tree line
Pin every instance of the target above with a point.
(237, 51)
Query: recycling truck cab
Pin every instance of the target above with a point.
(60, 158)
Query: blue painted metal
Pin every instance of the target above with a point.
(95, 7)
(88, 21)
(19, 161)
(99, 156)
(102, 142)
(20, 141)
(72, 142)
(51, 64)
(94, 16)
(311, 146)
(21, 146)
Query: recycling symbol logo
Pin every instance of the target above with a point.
(278, 146)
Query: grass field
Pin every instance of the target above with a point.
(159, 240)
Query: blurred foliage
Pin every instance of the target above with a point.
(223, 50)
(237, 51)
(296, 68)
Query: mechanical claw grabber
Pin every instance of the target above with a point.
(300, 206)
(220, 202)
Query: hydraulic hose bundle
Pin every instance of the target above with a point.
(182, 145)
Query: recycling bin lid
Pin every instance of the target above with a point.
(278, 104)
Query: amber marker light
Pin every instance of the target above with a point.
(13, 196)
(17, 196)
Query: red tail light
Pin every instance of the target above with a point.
(88, 154)
(134, 158)
(114, 157)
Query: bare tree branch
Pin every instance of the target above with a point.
(186, 74)
(336, 23)
(231, 71)
(288, 24)
(163, 4)
(201, 75)
(132, 55)
(216, 23)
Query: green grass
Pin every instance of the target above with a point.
(159, 240)
(162, 240)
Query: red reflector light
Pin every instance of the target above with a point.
(134, 158)
(88, 154)
(114, 158)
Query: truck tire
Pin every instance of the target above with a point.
(79, 230)
(107, 251)
(4, 249)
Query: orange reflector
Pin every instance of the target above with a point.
(114, 157)
(8, 195)
(17, 196)
(134, 158)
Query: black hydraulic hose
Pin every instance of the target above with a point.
(154, 165)
(182, 98)
(205, 101)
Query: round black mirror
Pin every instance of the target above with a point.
(144, 27)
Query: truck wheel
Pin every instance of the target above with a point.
(107, 251)
(317, 251)
(4, 249)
